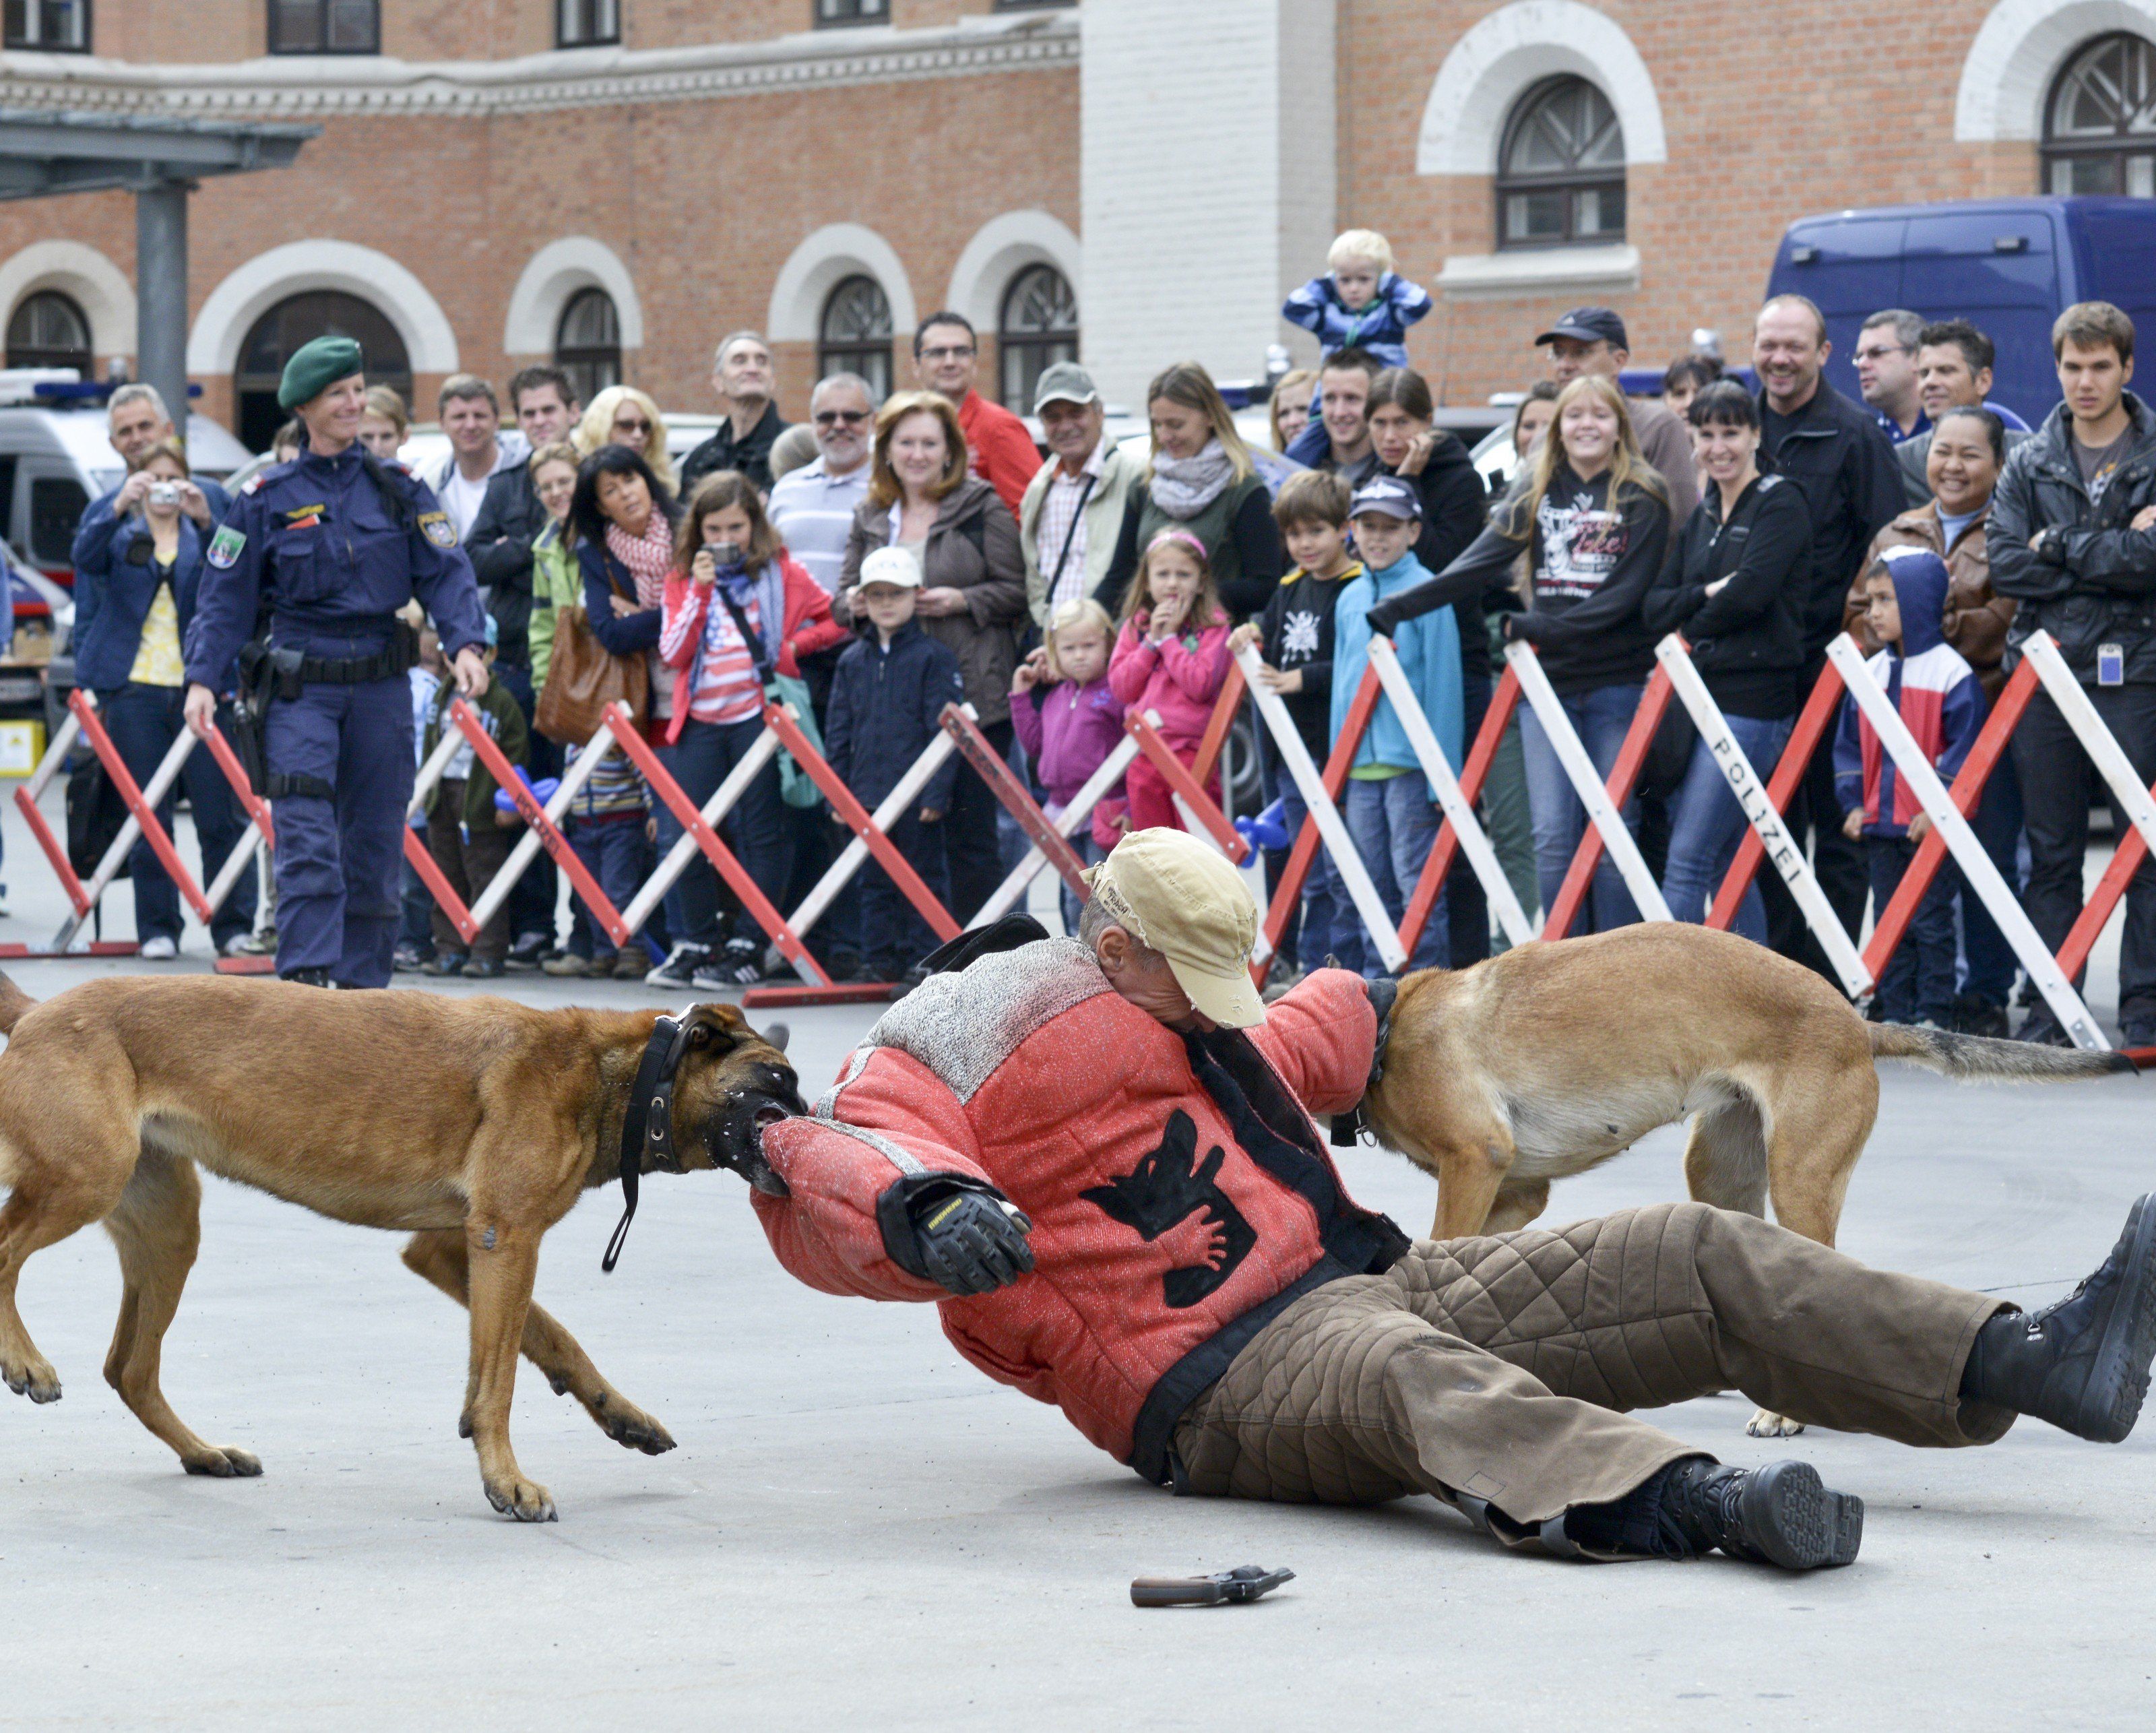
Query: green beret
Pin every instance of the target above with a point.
(316, 366)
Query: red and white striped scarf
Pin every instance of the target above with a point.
(648, 557)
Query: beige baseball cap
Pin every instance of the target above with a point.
(1181, 897)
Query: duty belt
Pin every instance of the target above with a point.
(353, 670)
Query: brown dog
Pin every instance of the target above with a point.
(1550, 1059)
(473, 1124)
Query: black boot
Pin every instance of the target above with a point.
(1780, 1515)
(310, 978)
(2082, 1362)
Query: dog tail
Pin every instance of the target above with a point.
(13, 1003)
(1972, 1057)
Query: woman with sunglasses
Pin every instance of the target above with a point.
(623, 415)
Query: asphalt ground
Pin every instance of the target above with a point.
(858, 1529)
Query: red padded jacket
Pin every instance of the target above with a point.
(1179, 1193)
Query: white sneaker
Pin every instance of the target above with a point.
(240, 945)
(159, 949)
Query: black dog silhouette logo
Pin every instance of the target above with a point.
(1169, 1197)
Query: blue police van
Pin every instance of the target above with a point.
(2009, 265)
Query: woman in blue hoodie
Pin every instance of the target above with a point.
(1388, 804)
(132, 607)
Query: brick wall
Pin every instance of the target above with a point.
(1772, 114)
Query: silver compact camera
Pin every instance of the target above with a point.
(164, 493)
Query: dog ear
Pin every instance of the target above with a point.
(716, 1023)
(778, 1035)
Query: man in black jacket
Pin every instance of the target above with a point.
(742, 374)
(2072, 537)
(1834, 450)
(500, 545)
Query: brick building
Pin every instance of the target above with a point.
(619, 182)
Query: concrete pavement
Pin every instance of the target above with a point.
(858, 1529)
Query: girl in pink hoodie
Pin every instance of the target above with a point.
(1171, 658)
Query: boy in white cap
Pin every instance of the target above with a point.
(887, 694)
(1096, 1155)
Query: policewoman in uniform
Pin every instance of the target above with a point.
(331, 545)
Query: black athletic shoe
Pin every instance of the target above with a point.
(1975, 1015)
(2138, 1029)
(310, 978)
(1780, 1515)
(2082, 1362)
(529, 951)
(680, 968)
(445, 963)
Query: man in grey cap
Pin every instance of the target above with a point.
(1072, 509)
(1592, 340)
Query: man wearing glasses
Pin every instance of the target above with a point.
(742, 374)
(811, 507)
(946, 356)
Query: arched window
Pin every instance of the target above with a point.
(855, 334)
(1561, 168)
(47, 329)
(2100, 124)
(1038, 327)
(299, 319)
(588, 342)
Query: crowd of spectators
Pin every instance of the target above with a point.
(882, 559)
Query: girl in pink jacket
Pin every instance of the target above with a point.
(1171, 658)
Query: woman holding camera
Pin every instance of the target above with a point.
(132, 607)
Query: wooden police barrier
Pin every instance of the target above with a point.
(143, 823)
(1197, 804)
(1473, 775)
(1761, 816)
(1337, 763)
(1319, 794)
(1457, 804)
(1606, 826)
(631, 740)
(1982, 876)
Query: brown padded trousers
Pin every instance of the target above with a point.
(1495, 1372)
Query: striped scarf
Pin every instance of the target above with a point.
(648, 557)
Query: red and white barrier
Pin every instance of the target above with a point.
(1779, 847)
(1452, 800)
(905, 792)
(1200, 815)
(1915, 768)
(142, 823)
(1065, 824)
(1606, 826)
(1318, 798)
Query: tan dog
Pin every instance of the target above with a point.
(473, 1124)
(1550, 1059)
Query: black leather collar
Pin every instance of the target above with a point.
(647, 1126)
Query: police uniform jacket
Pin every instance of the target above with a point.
(318, 544)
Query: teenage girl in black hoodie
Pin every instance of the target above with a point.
(1596, 519)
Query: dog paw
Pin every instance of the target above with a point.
(34, 1378)
(633, 1429)
(1765, 1423)
(525, 1500)
(226, 1464)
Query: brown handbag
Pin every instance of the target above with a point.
(585, 678)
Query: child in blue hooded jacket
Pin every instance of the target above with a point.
(1937, 695)
(1389, 805)
(1361, 303)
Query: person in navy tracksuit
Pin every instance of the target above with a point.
(888, 691)
(331, 545)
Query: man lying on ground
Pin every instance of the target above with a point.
(1097, 1155)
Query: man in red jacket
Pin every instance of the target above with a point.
(946, 356)
(1096, 1155)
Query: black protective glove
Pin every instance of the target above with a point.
(972, 1242)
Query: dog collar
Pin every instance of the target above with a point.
(647, 1129)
